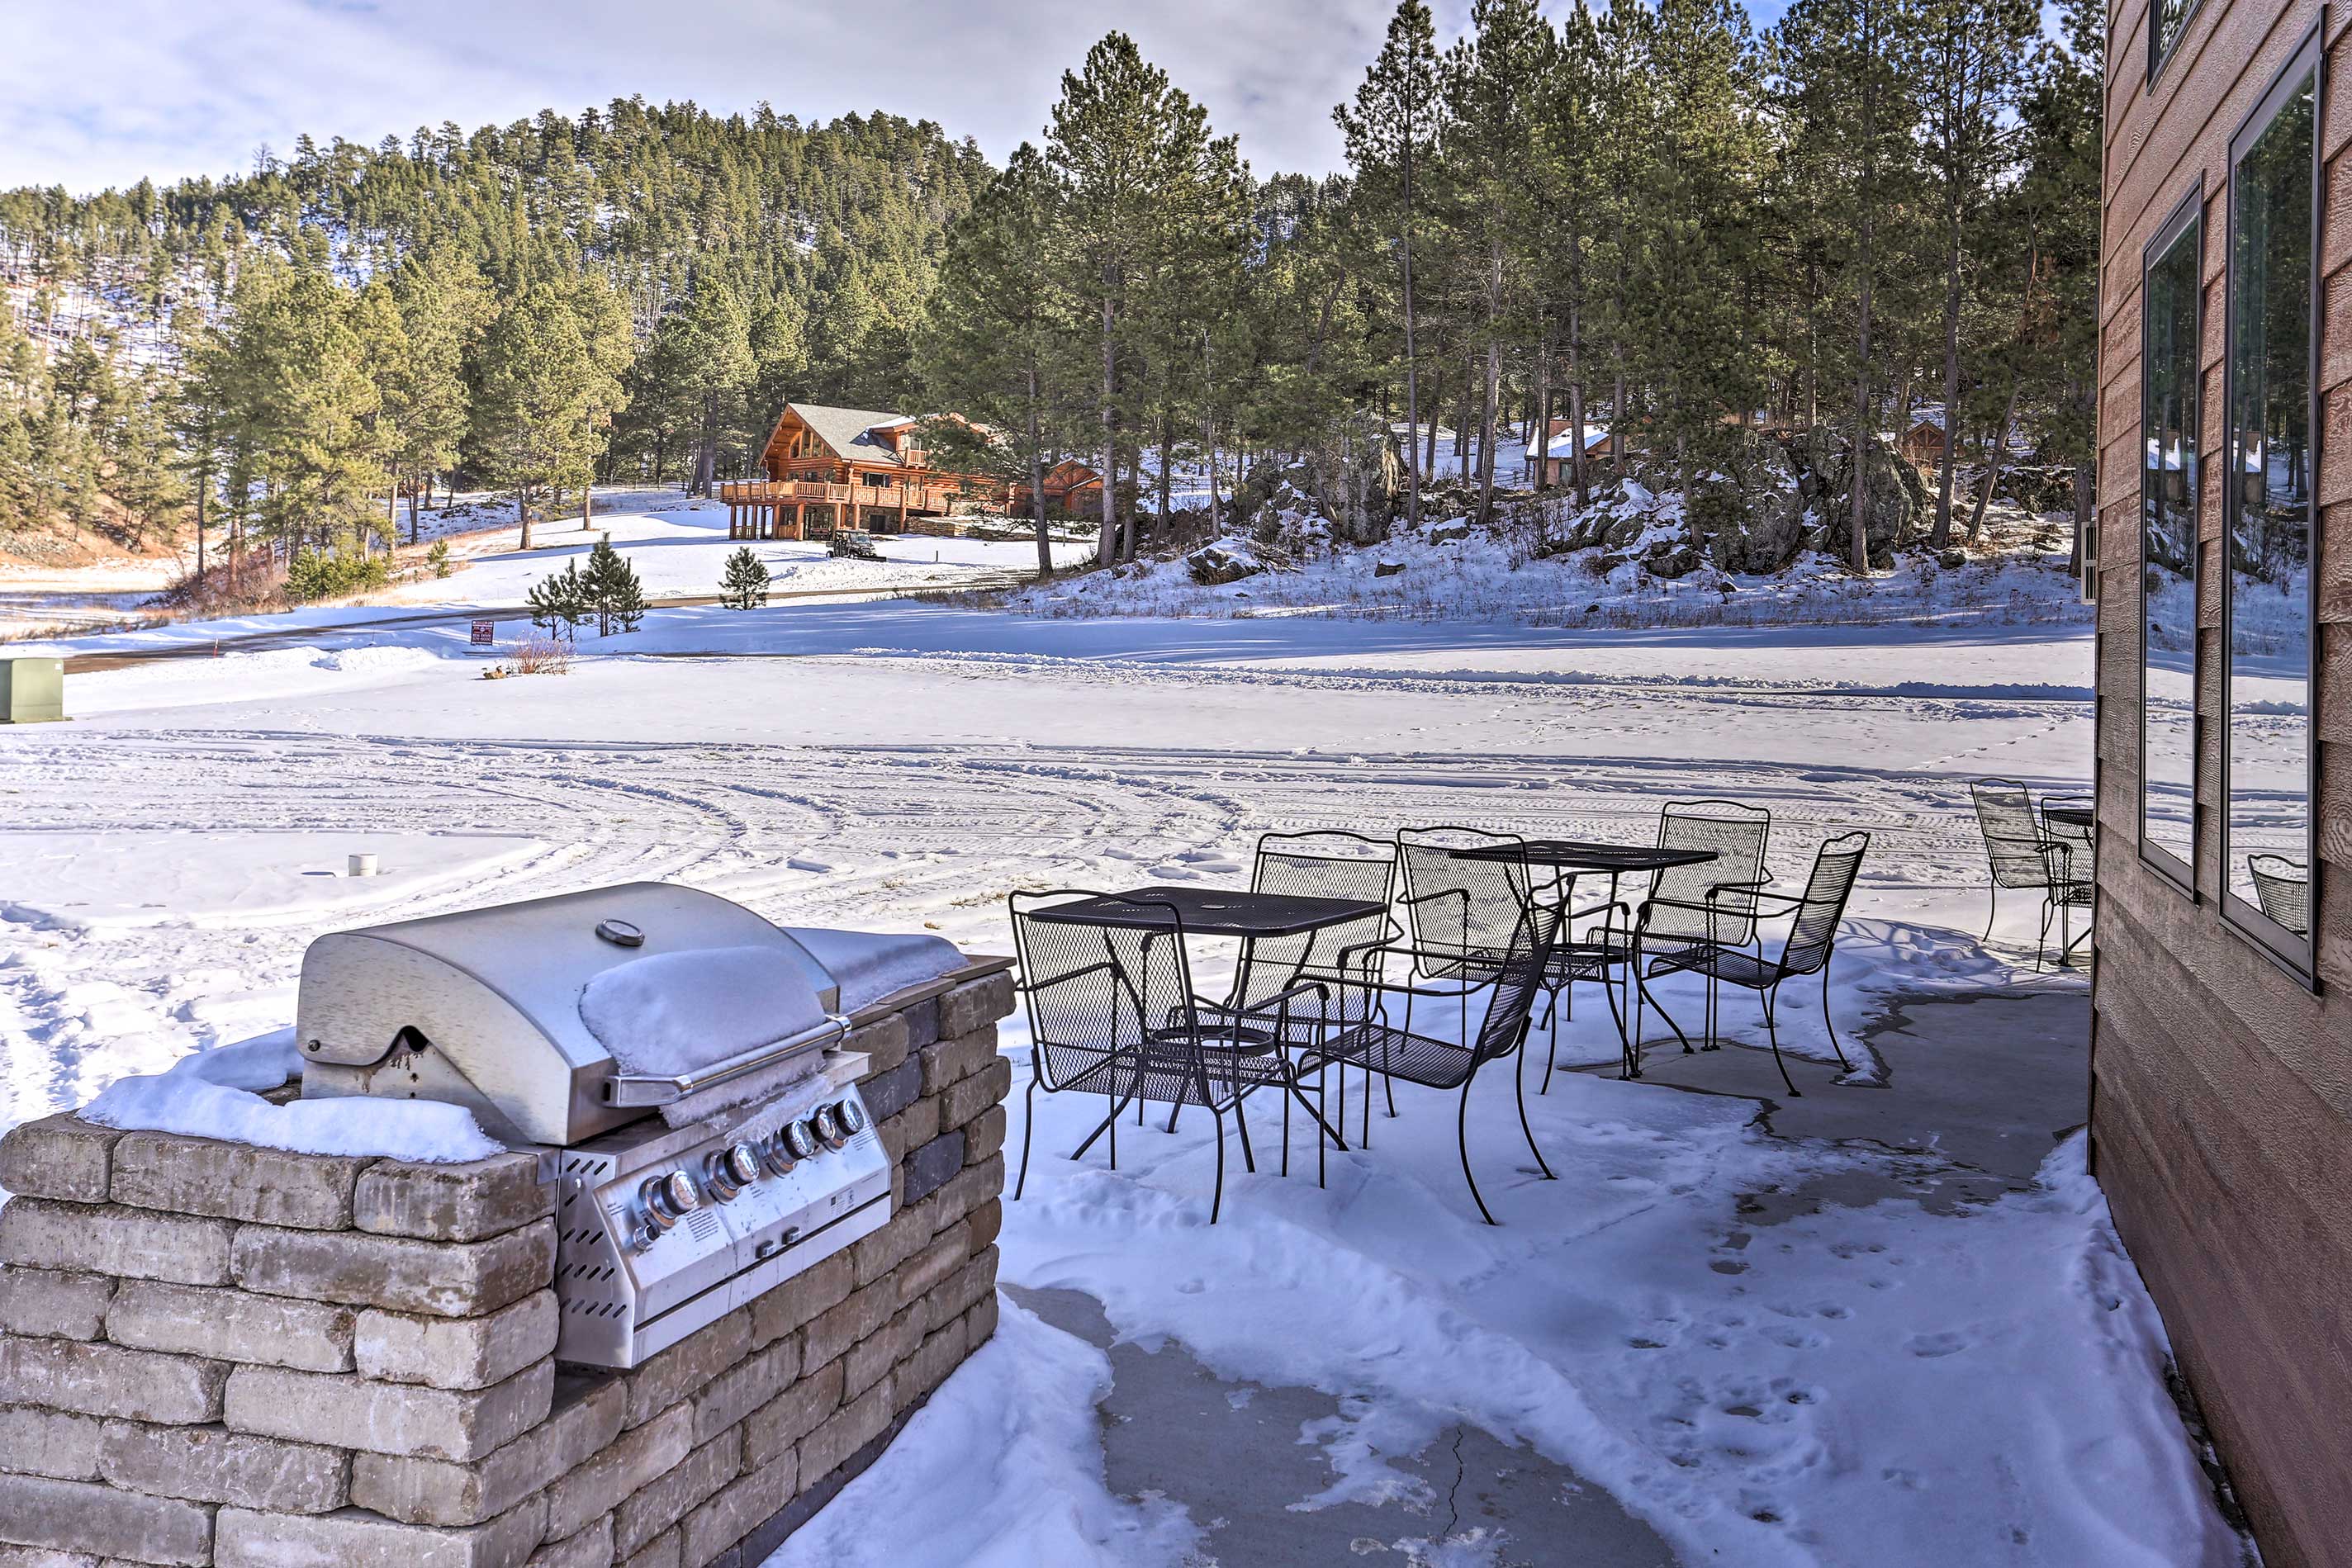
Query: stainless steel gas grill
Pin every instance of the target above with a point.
(684, 1189)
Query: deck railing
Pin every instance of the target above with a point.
(790, 492)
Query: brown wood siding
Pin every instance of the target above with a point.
(2221, 1100)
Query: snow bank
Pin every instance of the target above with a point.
(215, 1094)
(870, 965)
(672, 1013)
(1003, 1469)
(1451, 569)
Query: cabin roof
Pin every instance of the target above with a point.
(848, 430)
(1563, 444)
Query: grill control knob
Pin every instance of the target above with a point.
(778, 1153)
(800, 1140)
(743, 1164)
(668, 1198)
(827, 1123)
(719, 1175)
(852, 1116)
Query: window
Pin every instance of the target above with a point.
(2267, 607)
(2169, 319)
(2166, 20)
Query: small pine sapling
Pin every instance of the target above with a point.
(611, 591)
(437, 558)
(744, 583)
(559, 601)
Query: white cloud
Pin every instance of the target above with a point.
(99, 95)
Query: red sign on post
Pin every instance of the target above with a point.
(483, 630)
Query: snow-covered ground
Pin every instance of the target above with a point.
(1876, 1385)
(678, 546)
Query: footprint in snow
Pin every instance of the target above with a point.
(1929, 1346)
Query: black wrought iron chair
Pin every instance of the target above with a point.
(1112, 1012)
(2070, 862)
(1325, 974)
(1712, 904)
(1812, 941)
(1322, 864)
(2283, 890)
(1461, 914)
(2013, 841)
(1397, 1051)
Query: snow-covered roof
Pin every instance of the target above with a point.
(1564, 444)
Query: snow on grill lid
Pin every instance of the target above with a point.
(675, 1013)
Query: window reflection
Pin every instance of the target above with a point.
(2166, 18)
(2168, 554)
(2267, 737)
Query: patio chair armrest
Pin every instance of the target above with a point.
(1461, 893)
(1408, 989)
(1031, 987)
(1709, 907)
(1445, 955)
(1383, 942)
(1275, 1001)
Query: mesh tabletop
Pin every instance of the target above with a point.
(1576, 855)
(2073, 816)
(1211, 912)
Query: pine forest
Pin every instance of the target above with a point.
(1656, 221)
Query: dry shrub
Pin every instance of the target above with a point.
(534, 656)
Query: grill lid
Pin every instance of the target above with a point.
(697, 991)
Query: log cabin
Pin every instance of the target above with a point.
(1071, 489)
(2221, 976)
(829, 469)
(1923, 443)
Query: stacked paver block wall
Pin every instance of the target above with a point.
(212, 1353)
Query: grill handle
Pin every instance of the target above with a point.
(652, 1089)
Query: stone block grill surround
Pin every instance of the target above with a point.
(217, 1355)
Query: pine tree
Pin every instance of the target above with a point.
(1000, 332)
(1966, 64)
(1144, 178)
(609, 588)
(560, 602)
(545, 396)
(710, 350)
(1490, 80)
(743, 585)
(1391, 128)
(1851, 120)
(1691, 315)
(443, 306)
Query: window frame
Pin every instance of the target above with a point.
(2159, 53)
(2295, 956)
(2187, 218)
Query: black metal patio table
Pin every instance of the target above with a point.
(1247, 917)
(2073, 816)
(1214, 912)
(1574, 856)
(1584, 854)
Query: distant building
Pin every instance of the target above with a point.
(1071, 487)
(1923, 444)
(1559, 451)
(831, 468)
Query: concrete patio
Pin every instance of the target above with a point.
(1977, 1093)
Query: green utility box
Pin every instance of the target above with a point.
(32, 691)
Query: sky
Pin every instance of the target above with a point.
(101, 92)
